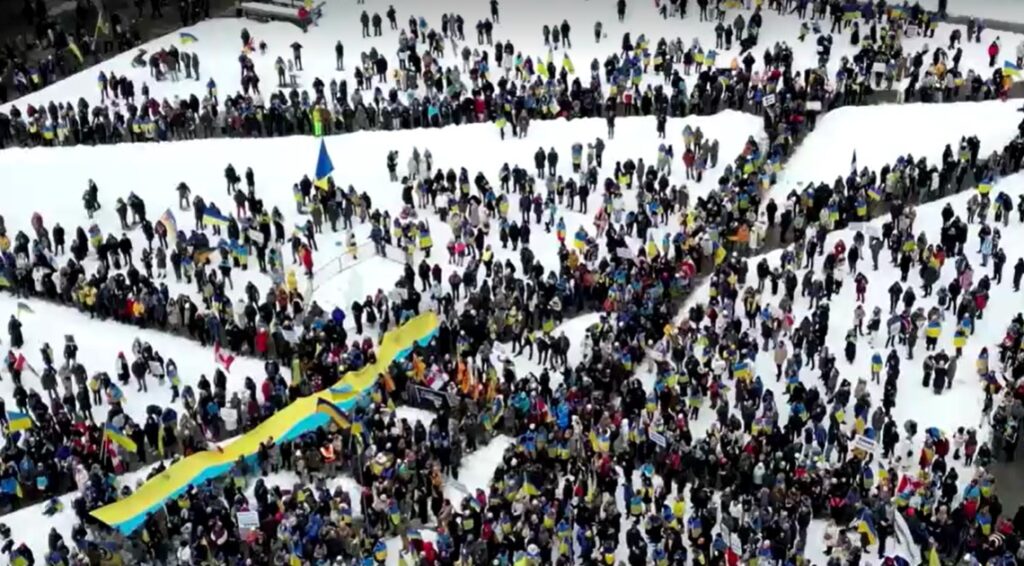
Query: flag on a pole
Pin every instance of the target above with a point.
(187, 38)
(167, 219)
(853, 162)
(214, 217)
(18, 421)
(117, 436)
(324, 167)
(332, 411)
(222, 359)
(1011, 69)
(24, 308)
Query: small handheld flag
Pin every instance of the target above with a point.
(24, 308)
(169, 222)
(335, 414)
(18, 421)
(222, 359)
(1011, 69)
(187, 38)
(214, 217)
(114, 434)
(324, 166)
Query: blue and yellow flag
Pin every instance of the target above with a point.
(1010, 69)
(334, 413)
(73, 48)
(741, 370)
(114, 434)
(866, 526)
(12, 486)
(187, 38)
(324, 167)
(214, 217)
(529, 488)
(18, 421)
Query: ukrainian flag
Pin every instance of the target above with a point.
(24, 308)
(985, 522)
(4, 282)
(741, 370)
(73, 48)
(11, 485)
(214, 217)
(114, 434)
(380, 551)
(18, 421)
(866, 526)
(187, 38)
(1011, 69)
(324, 167)
(529, 488)
(600, 443)
(874, 193)
(340, 390)
(329, 409)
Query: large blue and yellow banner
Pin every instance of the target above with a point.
(293, 421)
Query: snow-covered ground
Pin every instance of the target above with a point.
(98, 346)
(359, 160)
(1000, 10)
(521, 22)
(880, 134)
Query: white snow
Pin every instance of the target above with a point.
(880, 134)
(999, 10)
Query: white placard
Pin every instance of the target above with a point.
(230, 417)
(657, 438)
(864, 443)
(248, 521)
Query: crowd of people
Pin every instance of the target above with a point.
(586, 434)
(56, 50)
(495, 82)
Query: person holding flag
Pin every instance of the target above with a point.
(324, 167)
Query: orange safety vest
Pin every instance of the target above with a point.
(328, 453)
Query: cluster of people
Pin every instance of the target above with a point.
(497, 83)
(594, 451)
